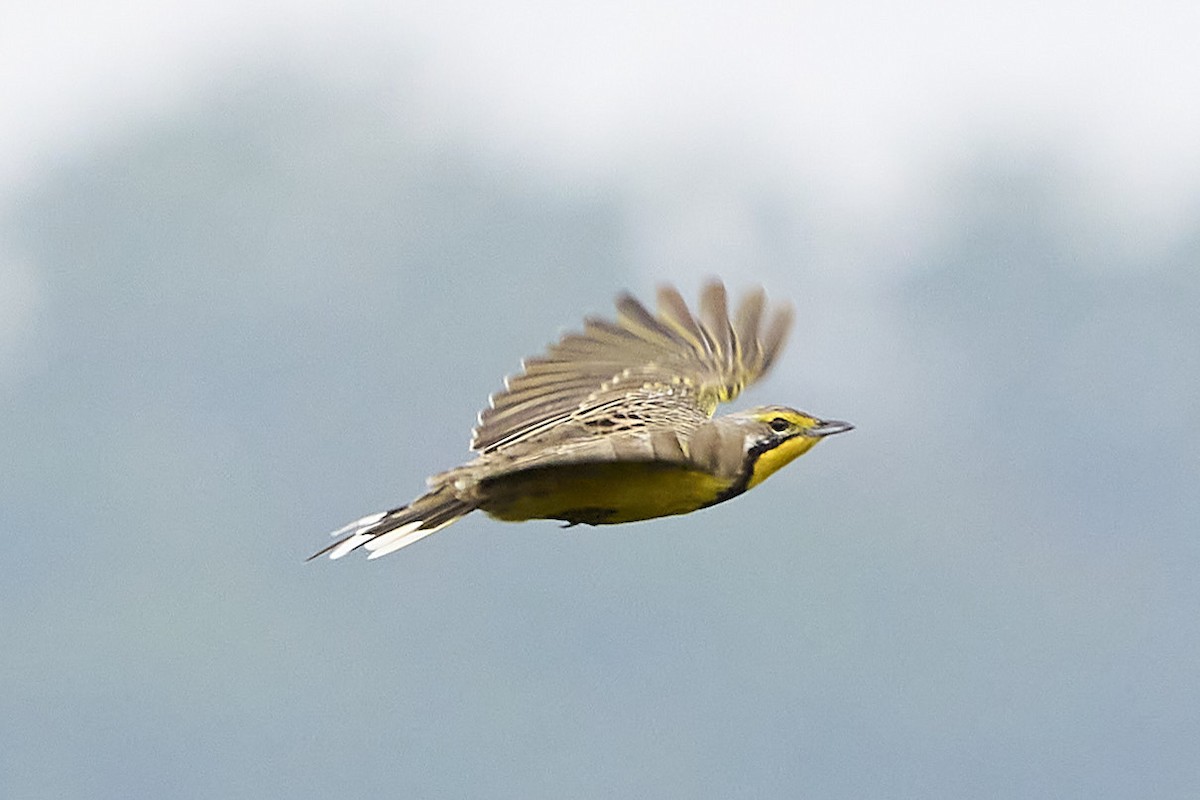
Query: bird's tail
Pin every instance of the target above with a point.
(388, 531)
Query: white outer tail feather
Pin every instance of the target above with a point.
(392, 540)
(379, 544)
(388, 531)
(348, 544)
(359, 530)
(401, 537)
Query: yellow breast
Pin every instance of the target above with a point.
(600, 494)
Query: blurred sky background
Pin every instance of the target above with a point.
(260, 265)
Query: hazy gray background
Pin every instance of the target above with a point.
(260, 268)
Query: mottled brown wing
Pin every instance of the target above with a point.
(687, 364)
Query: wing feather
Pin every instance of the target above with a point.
(674, 312)
(745, 326)
(685, 363)
(775, 337)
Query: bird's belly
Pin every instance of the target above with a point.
(600, 494)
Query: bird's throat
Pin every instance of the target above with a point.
(771, 461)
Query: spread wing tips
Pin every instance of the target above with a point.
(776, 335)
(713, 352)
(673, 311)
(714, 316)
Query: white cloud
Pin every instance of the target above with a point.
(862, 101)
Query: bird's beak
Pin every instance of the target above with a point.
(828, 427)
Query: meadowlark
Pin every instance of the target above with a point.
(615, 424)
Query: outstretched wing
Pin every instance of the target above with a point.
(688, 362)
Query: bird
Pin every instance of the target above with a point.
(616, 424)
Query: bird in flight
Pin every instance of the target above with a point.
(615, 424)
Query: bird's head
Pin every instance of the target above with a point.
(777, 435)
